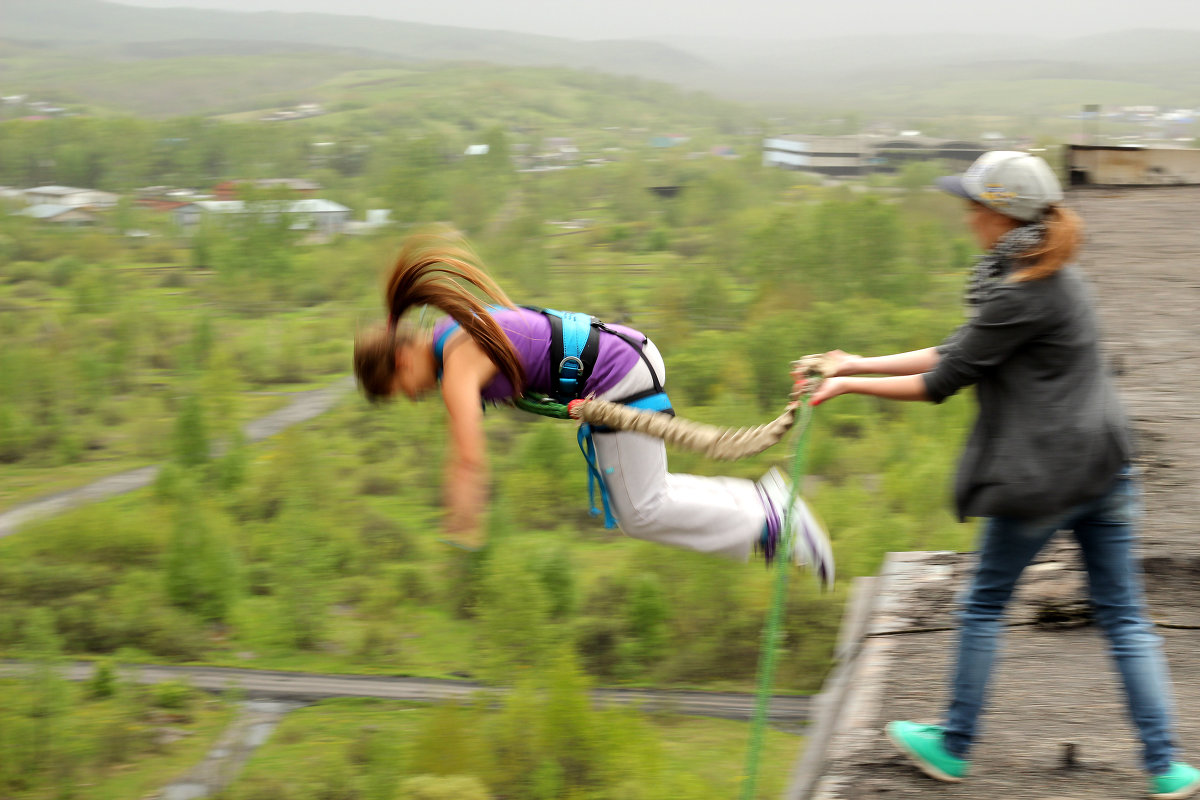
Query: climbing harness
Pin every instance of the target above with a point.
(574, 347)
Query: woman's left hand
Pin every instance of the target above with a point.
(829, 389)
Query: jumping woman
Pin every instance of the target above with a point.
(496, 352)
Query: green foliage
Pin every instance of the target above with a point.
(514, 612)
(173, 695)
(191, 433)
(103, 682)
(449, 743)
(429, 787)
(201, 567)
(557, 574)
(647, 614)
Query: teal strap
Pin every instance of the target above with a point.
(655, 402)
(439, 345)
(570, 358)
(588, 447)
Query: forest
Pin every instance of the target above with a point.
(133, 342)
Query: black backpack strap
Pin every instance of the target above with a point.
(637, 346)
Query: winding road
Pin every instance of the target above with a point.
(304, 687)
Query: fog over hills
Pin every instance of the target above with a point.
(762, 69)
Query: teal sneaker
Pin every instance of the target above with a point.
(923, 745)
(1179, 782)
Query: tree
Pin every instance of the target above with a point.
(449, 723)
(513, 614)
(191, 433)
(201, 567)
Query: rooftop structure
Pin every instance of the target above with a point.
(1132, 165)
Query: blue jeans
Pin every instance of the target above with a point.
(1105, 530)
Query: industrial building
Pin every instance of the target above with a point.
(862, 154)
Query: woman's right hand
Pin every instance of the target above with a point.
(833, 364)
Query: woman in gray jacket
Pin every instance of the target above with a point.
(1050, 451)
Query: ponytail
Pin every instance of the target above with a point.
(1064, 231)
(428, 272)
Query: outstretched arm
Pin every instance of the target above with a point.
(913, 362)
(902, 387)
(467, 371)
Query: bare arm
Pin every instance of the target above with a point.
(467, 370)
(913, 362)
(903, 387)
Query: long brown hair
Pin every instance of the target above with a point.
(1064, 231)
(428, 272)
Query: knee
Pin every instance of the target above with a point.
(984, 606)
(637, 524)
(1124, 622)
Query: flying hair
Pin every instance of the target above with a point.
(1064, 232)
(435, 270)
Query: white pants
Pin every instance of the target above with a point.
(721, 516)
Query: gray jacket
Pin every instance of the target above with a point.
(1050, 432)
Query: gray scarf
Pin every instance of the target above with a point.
(992, 266)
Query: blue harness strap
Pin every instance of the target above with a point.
(439, 346)
(587, 445)
(574, 346)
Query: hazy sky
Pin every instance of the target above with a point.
(758, 19)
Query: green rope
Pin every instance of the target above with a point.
(772, 628)
(541, 404)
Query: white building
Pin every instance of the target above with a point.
(310, 214)
(70, 196)
(59, 214)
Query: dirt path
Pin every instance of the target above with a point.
(305, 406)
(306, 687)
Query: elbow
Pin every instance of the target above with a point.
(935, 390)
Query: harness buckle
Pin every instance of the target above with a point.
(576, 362)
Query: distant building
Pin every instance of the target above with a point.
(825, 155)
(321, 216)
(165, 198)
(476, 150)
(1131, 165)
(71, 196)
(376, 218)
(228, 190)
(59, 214)
(301, 111)
(669, 140)
(311, 214)
(856, 155)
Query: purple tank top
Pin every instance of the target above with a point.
(529, 332)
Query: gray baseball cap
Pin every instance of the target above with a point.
(1016, 184)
